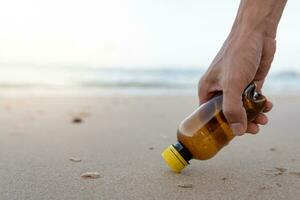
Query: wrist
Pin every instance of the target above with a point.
(265, 26)
(248, 27)
(260, 17)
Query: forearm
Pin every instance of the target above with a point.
(259, 16)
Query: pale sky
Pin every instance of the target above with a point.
(134, 33)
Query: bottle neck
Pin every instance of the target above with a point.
(183, 151)
(253, 102)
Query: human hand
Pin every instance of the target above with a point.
(243, 58)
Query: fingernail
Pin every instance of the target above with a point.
(237, 128)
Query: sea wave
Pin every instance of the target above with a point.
(177, 78)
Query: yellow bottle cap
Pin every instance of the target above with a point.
(173, 159)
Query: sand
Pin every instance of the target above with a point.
(121, 137)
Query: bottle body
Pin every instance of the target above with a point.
(206, 131)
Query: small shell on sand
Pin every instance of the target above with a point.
(73, 159)
(90, 175)
(185, 185)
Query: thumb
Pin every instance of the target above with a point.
(233, 108)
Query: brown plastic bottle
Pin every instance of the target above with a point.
(206, 131)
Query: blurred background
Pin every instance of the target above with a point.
(128, 45)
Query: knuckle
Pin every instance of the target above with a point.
(234, 113)
(202, 82)
(235, 85)
(239, 78)
(230, 114)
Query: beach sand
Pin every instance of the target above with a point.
(122, 136)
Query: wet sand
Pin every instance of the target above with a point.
(43, 137)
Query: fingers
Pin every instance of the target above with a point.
(252, 128)
(269, 106)
(261, 119)
(233, 108)
(259, 85)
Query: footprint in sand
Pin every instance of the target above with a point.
(297, 174)
(277, 171)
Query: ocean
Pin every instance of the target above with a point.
(178, 80)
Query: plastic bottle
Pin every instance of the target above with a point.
(202, 134)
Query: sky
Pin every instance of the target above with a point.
(129, 33)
